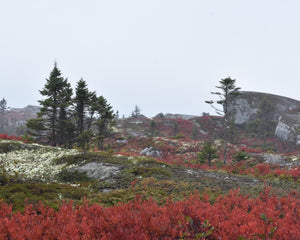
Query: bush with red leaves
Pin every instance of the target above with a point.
(233, 216)
(6, 137)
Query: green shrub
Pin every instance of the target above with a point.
(285, 177)
(83, 140)
(5, 178)
(208, 153)
(73, 176)
(28, 138)
(50, 194)
(178, 136)
(120, 138)
(86, 157)
(9, 146)
(240, 156)
(149, 172)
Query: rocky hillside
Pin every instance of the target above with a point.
(15, 119)
(171, 125)
(20, 115)
(246, 106)
(288, 127)
(257, 115)
(260, 114)
(283, 112)
(174, 116)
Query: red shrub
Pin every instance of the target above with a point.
(6, 137)
(233, 216)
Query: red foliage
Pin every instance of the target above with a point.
(250, 150)
(6, 137)
(263, 168)
(233, 216)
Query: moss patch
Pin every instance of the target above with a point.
(33, 193)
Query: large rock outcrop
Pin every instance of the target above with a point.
(288, 128)
(246, 106)
(285, 112)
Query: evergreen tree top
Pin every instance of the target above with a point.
(55, 83)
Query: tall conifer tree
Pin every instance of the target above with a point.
(57, 92)
(81, 101)
(228, 90)
(3, 108)
(105, 118)
(65, 124)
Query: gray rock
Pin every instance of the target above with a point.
(283, 131)
(245, 106)
(275, 159)
(288, 128)
(179, 116)
(98, 170)
(151, 152)
(243, 111)
(135, 133)
(282, 161)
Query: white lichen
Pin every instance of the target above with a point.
(35, 163)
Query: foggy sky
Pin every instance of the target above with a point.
(163, 55)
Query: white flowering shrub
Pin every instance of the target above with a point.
(35, 162)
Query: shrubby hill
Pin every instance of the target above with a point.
(281, 115)
(258, 115)
(161, 178)
(158, 185)
(169, 125)
(157, 167)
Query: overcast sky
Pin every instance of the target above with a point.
(163, 55)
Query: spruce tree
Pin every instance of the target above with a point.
(81, 101)
(3, 108)
(136, 112)
(36, 127)
(92, 106)
(53, 112)
(208, 153)
(63, 120)
(228, 91)
(65, 124)
(175, 128)
(85, 103)
(152, 128)
(105, 119)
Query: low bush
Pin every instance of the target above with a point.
(73, 176)
(233, 216)
(240, 156)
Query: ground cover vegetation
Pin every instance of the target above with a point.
(162, 189)
(232, 216)
(170, 183)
